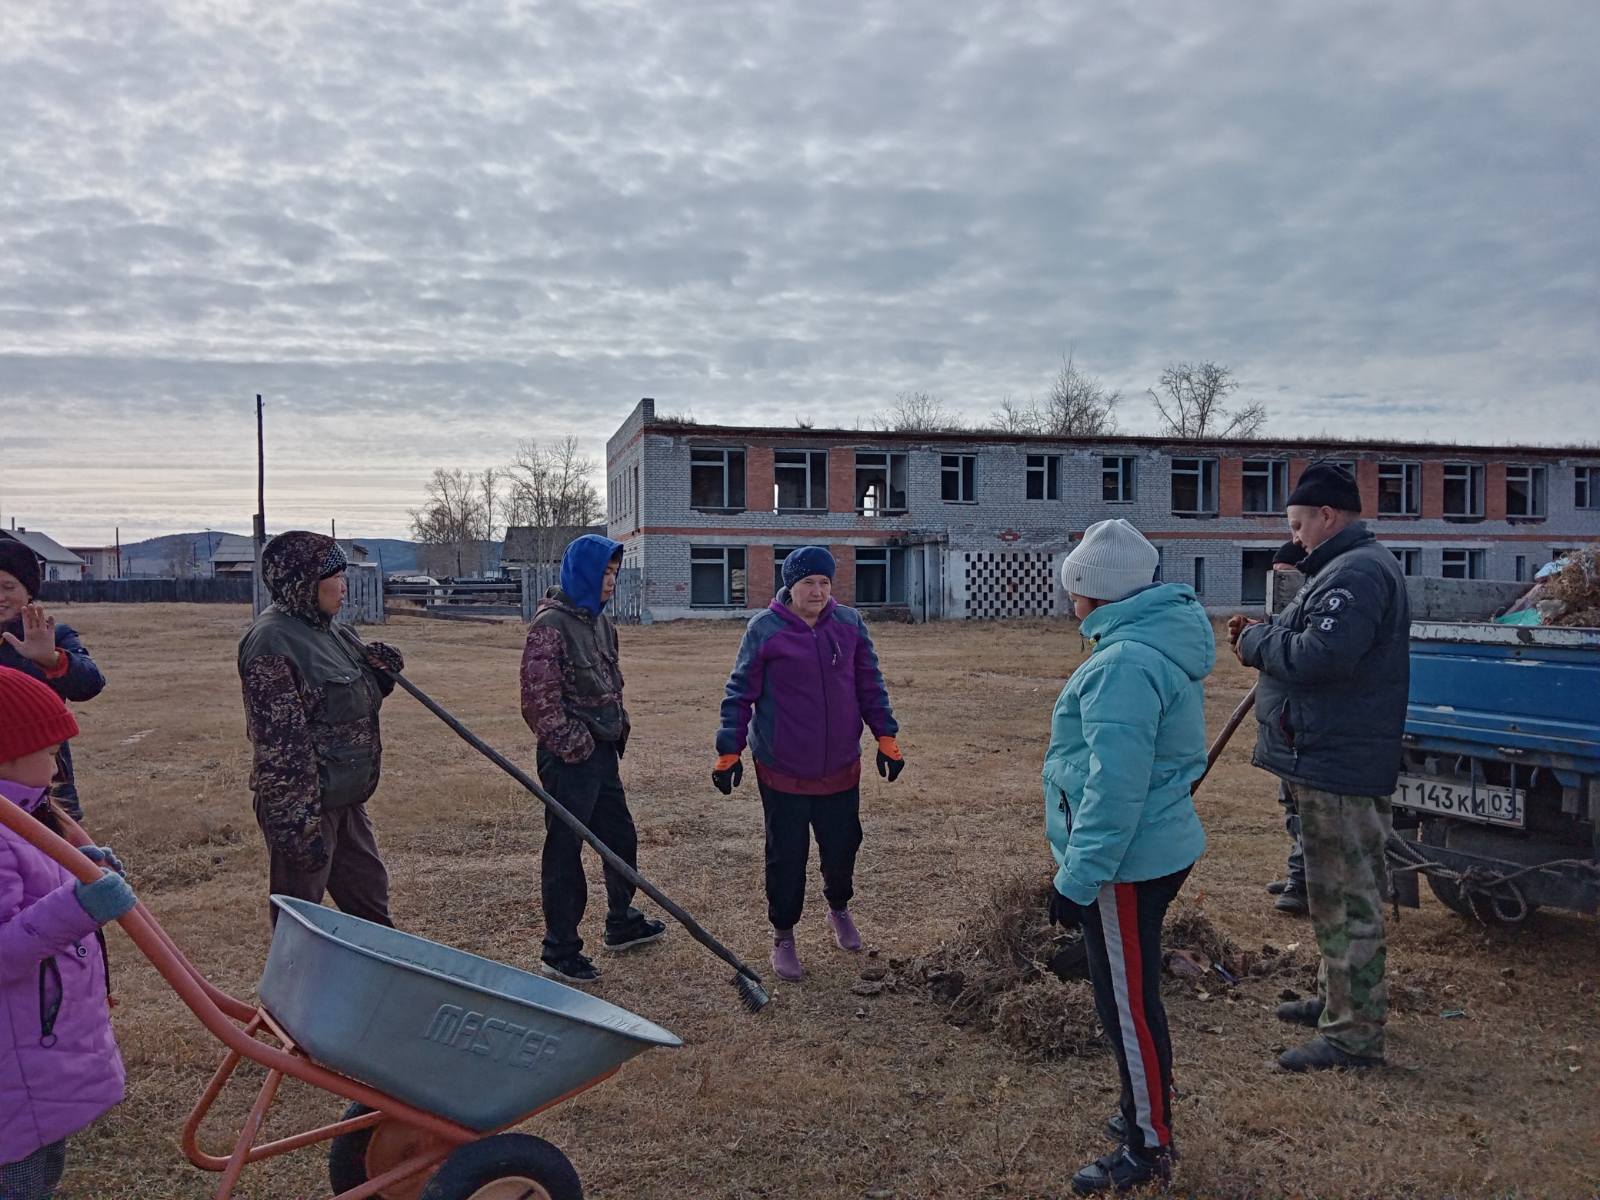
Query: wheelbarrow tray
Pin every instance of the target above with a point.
(463, 1037)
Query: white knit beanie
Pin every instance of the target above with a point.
(1112, 561)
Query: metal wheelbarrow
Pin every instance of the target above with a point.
(439, 1051)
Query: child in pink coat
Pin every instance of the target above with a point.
(59, 1066)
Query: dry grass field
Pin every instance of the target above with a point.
(826, 1093)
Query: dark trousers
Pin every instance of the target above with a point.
(1122, 934)
(790, 820)
(1291, 824)
(354, 874)
(592, 792)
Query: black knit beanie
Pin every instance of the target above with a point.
(1290, 554)
(16, 559)
(1327, 483)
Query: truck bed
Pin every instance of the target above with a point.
(1527, 693)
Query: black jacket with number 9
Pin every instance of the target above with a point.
(1335, 671)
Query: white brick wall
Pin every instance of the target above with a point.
(1002, 518)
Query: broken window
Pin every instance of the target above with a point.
(716, 576)
(1266, 485)
(1525, 491)
(1400, 489)
(800, 479)
(1116, 479)
(1194, 487)
(880, 576)
(958, 478)
(1463, 492)
(716, 479)
(880, 483)
(1044, 477)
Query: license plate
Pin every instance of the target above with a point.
(1451, 798)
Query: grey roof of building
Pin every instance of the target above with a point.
(45, 546)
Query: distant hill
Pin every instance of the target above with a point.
(190, 553)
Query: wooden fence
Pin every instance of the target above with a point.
(627, 602)
(222, 590)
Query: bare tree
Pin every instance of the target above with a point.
(918, 412)
(1192, 403)
(489, 491)
(1012, 417)
(549, 488)
(1077, 405)
(450, 524)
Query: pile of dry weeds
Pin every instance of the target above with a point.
(1000, 972)
(993, 974)
(1577, 587)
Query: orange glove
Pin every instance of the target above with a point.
(726, 773)
(890, 761)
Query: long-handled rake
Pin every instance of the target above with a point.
(745, 981)
(1234, 721)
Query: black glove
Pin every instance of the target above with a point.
(1064, 912)
(727, 778)
(384, 658)
(890, 764)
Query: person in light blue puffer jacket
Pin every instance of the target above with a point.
(1127, 742)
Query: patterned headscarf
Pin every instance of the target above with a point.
(293, 564)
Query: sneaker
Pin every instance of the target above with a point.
(1292, 900)
(640, 932)
(785, 958)
(1116, 1129)
(1277, 887)
(1301, 1012)
(1121, 1171)
(1319, 1054)
(844, 929)
(574, 969)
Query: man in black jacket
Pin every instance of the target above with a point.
(1331, 705)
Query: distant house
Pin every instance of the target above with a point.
(236, 554)
(530, 545)
(56, 562)
(100, 562)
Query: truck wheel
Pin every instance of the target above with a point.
(1500, 910)
(506, 1166)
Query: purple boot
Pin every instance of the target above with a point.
(785, 958)
(844, 929)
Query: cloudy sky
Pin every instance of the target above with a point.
(426, 232)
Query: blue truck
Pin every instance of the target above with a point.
(1499, 801)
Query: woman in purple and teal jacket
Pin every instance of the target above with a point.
(807, 669)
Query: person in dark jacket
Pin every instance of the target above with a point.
(32, 642)
(807, 670)
(1331, 707)
(572, 700)
(1291, 889)
(311, 699)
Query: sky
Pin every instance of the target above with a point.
(428, 232)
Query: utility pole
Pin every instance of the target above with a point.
(260, 531)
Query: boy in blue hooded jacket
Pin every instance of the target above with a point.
(572, 699)
(1127, 742)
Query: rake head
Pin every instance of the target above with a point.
(751, 994)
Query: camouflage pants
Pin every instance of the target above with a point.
(1346, 882)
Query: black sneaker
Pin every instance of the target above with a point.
(574, 968)
(1117, 1129)
(1277, 887)
(640, 932)
(1122, 1170)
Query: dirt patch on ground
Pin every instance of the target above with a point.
(836, 1090)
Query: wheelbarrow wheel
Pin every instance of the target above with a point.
(506, 1166)
(354, 1158)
